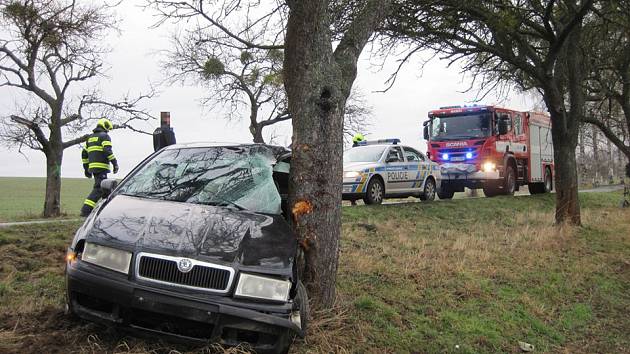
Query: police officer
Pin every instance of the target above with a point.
(96, 156)
(357, 138)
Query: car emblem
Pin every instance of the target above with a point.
(184, 265)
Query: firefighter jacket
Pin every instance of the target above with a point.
(97, 153)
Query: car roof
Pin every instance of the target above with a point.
(281, 152)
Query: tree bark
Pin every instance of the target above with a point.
(52, 200)
(316, 104)
(564, 144)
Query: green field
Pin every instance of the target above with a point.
(461, 276)
(22, 198)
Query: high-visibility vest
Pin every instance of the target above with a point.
(97, 153)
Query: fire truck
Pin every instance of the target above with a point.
(492, 148)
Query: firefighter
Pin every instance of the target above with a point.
(96, 157)
(357, 138)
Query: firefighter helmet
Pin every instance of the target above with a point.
(357, 138)
(105, 124)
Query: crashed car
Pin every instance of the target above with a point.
(193, 245)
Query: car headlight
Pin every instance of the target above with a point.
(489, 167)
(106, 257)
(351, 174)
(258, 287)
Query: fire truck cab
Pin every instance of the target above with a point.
(492, 148)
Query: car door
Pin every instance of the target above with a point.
(397, 173)
(417, 167)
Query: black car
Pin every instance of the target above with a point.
(193, 245)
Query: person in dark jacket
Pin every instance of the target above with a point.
(96, 157)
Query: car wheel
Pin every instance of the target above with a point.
(548, 186)
(375, 192)
(301, 299)
(509, 185)
(429, 190)
(445, 193)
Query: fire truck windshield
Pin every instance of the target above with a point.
(461, 126)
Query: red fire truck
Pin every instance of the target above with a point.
(492, 148)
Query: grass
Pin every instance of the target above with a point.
(462, 276)
(22, 198)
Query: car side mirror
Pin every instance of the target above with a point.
(503, 126)
(107, 186)
(425, 132)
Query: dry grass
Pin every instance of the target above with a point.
(478, 274)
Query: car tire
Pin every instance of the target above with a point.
(301, 299)
(509, 183)
(375, 192)
(445, 193)
(428, 194)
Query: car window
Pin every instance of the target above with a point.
(239, 177)
(395, 154)
(363, 154)
(413, 155)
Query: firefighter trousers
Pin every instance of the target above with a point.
(95, 194)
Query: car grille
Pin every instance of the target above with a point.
(203, 276)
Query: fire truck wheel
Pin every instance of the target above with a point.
(510, 182)
(548, 181)
(375, 192)
(429, 190)
(445, 193)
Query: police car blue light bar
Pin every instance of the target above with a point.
(444, 156)
(392, 141)
(469, 155)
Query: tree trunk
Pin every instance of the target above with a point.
(255, 128)
(565, 138)
(595, 155)
(316, 104)
(52, 201)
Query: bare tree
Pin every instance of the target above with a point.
(243, 80)
(235, 78)
(318, 78)
(46, 49)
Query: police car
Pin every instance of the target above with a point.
(374, 170)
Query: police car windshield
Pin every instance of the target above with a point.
(363, 154)
(460, 127)
(231, 177)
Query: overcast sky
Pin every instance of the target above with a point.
(134, 62)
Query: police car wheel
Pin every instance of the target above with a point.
(429, 191)
(375, 192)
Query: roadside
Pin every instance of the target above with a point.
(474, 276)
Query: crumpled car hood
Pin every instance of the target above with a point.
(203, 232)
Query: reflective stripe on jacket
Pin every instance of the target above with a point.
(97, 153)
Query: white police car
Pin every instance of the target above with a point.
(374, 170)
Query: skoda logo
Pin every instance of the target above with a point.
(184, 265)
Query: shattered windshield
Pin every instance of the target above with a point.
(460, 127)
(233, 177)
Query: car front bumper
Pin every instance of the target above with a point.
(97, 295)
